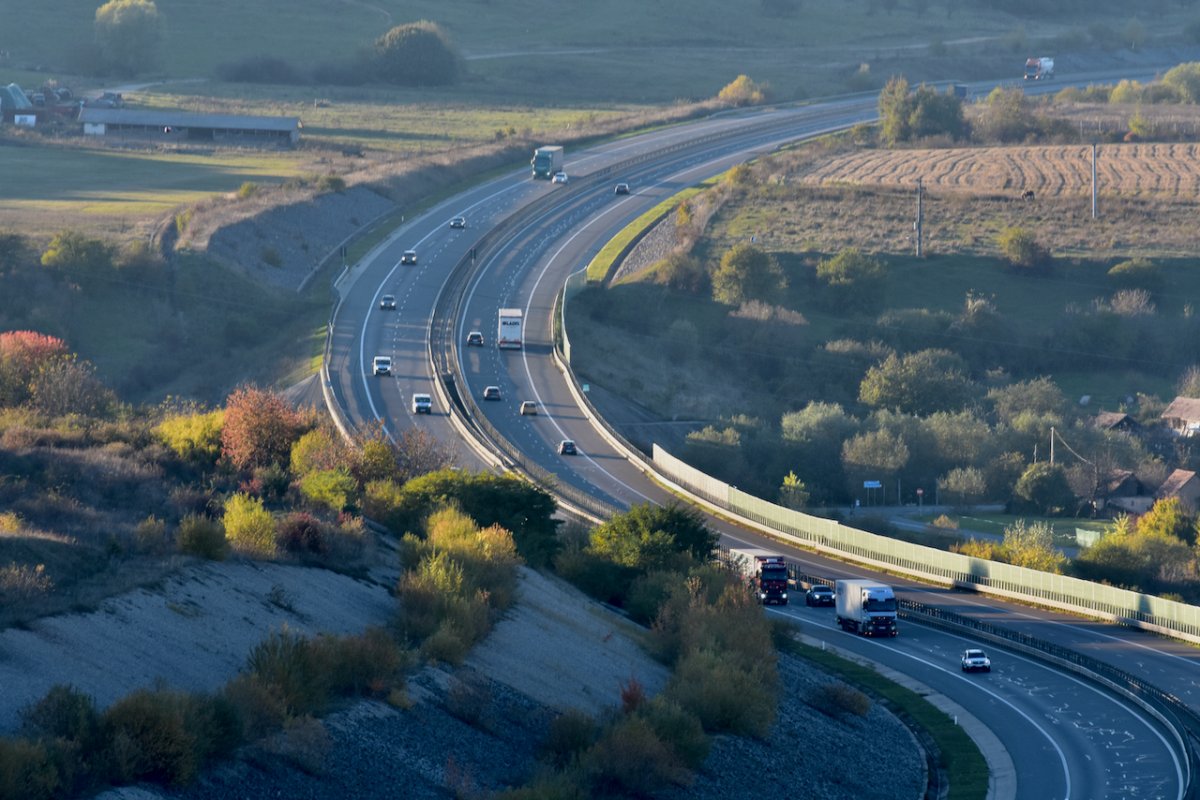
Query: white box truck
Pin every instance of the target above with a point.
(865, 607)
(509, 333)
(766, 571)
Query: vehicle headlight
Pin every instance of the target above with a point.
(785, 595)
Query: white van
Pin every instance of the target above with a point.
(422, 404)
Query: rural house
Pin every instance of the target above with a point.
(1115, 421)
(1183, 484)
(1122, 490)
(1183, 416)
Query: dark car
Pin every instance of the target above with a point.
(388, 302)
(566, 448)
(474, 339)
(621, 188)
(458, 222)
(409, 257)
(819, 595)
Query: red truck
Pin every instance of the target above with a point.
(766, 571)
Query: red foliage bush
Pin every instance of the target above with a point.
(260, 428)
(22, 354)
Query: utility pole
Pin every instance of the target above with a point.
(1093, 180)
(1052, 446)
(920, 213)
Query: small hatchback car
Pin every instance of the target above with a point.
(409, 257)
(528, 408)
(474, 339)
(458, 222)
(566, 448)
(559, 177)
(388, 302)
(621, 188)
(491, 393)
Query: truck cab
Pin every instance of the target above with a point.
(766, 573)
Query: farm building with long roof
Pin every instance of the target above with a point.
(233, 129)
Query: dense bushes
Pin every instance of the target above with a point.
(455, 580)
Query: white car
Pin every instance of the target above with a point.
(422, 404)
(381, 365)
(976, 660)
(559, 177)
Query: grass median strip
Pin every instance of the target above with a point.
(966, 769)
(602, 265)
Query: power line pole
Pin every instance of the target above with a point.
(920, 213)
(1052, 445)
(1093, 180)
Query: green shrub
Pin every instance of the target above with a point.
(447, 644)
(384, 503)
(331, 183)
(247, 189)
(27, 771)
(679, 729)
(149, 738)
(569, 735)
(261, 707)
(369, 663)
(598, 577)
(150, 535)
(63, 713)
(648, 593)
(836, 699)
(249, 527)
(292, 666)
(270, 256)
(630, 759)
(333, 488)
(195, 438)
(201, 536)
(1021, 249)
(723, 695)
(301, 532)
(1137, 273)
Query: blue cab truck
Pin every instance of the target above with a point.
(547, 160)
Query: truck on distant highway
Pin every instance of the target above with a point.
(1039, 69)
(865, 607)
(766, 571)
(547, 160)
(509, 333)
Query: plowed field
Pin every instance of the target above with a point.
(1161, 170)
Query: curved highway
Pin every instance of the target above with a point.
(1068, 739)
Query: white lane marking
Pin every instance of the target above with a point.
(525, 354)
(1062, 757)
(362, 334)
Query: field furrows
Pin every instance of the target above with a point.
(1166, 170)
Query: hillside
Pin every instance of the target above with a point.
(472, 729)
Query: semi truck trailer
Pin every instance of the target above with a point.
(508, 334)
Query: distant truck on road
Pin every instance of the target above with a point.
(865, 607)
(766, 571)
(547, 160)
(509, 333)
(1039, 69)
